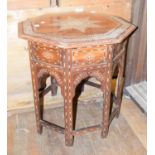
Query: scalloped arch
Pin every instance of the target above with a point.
(96, 74)
(51, 73)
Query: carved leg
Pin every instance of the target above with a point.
(119, 84)
(35, 84)
(68, 115)
(54, 86)
(68, 107)
(107, 98)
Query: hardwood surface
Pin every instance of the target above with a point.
(75, 29)
(127, 134)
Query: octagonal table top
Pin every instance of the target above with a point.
(72, 29)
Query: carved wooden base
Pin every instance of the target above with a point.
(67, 69)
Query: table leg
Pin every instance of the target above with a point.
(68, 117)
(107, 98)
(35, 85)
(119, 83)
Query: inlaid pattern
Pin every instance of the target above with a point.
(85, 56)
(72, 47)
(72, 29)
(45, 54)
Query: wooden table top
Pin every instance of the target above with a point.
(72, 29)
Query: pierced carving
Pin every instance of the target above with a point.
(77, 65)
(70, 50)
(53, 73)
(99, 75)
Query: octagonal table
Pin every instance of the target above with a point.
(71, 47)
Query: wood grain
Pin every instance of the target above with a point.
(127, 135)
